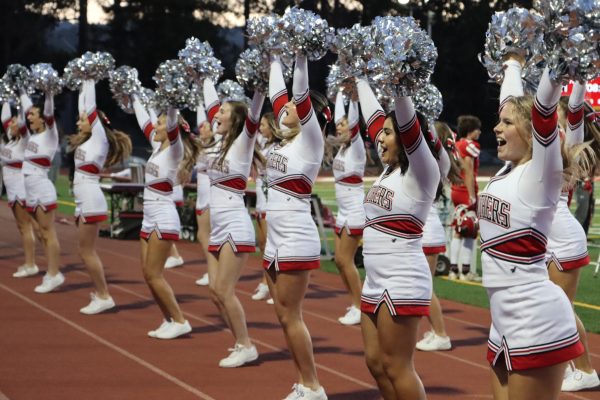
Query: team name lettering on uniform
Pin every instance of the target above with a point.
(32, 147)
(6, 153)
(381, 197)
(278, 162)
(224, 167)
(152, 169)
(338, 165)
(80, 154)
(493, 209)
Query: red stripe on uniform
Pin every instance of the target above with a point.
(15, 165)
(278, 102)
(92, 117)
(148, 128)
(93, 219)
(212, 111)
(527, 246)
(235, 183)
(162, 186)
(410, 134)
(541, 360)
(412, 310)
(352, 180)
(354, 131)
(404, 226)
(574, 264)
(428, 250)
(49, 120)
(544, 126)
(375, 126)
(89, 168)
(41, 161)
(293, 265)
(304, 107)
(251, 126)
(172, 134)
(299, 186)
(575, 117)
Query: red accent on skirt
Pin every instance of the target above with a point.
(434, 249)
(541, 360)
(400, 310)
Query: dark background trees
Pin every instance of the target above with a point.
(143, 33)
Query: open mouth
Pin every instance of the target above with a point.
(500, 141)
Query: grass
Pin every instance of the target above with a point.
(588, 292)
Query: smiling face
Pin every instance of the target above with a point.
(342, 130)
(510, 135)
(223, 119)
(161, 129)
(36, 122)
(388, 144)
(291, 119)
(265, 129)
(13, 127)
(83, 124)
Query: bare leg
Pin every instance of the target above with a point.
(538, 383)
(25, 226)
(45, 220)
(87, 250)
(374, 356)
(435, 309)
(345, 249)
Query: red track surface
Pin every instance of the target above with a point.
(48, 350)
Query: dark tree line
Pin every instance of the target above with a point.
(143, 33)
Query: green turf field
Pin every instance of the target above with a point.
(588, 295)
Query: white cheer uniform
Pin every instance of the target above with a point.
(11, 156)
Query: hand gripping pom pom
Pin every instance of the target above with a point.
(7, 94)
(428, 101)
(71, 74)
(252, 70)
(336, 79)
(46, 79)
(18, 77)
(200, 61)
(173, 86)
(123, 83)
(307, 33)
(352, 47)
(229, 90)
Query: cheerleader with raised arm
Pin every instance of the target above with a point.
(397, 288)
(348, 171)
(11, 156)
(96, 146)
(161, 225)
(533, 332)
(40, 191)
(232, 237)
(293, 248)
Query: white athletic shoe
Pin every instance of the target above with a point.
(26, 270)
(271, 301)
(261, 292)
(97, 305)
(203, 281)
(173, 262)
(470, 277)
(352, 316)
(49, 283)
(452, 275)
(301, 392)
(433, 342)
(165, 324)
(576, 380)
(239, 356)
(173, 330)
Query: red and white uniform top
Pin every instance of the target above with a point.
(42, 146)
(205, 157)
(228, 180)
(292, 168)
(261, 173)
(468, 148)
(90, 156)
(161, 169)
(397, 204)
(516, 208)
(12, 152)
(349, 163)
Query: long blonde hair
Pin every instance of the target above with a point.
(191, 149)
(119, 143)
(239, 112)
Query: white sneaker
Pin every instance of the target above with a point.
(203, 281)
(352, 316)
(97, 305)
(452, 275)
(49, 283)
(173, 330)
(173, 262)
(576, 380)
(433, 342)
(165, 324)
(26, 270)
(301, 392)
(470, 277)
(271, 301)
(261, 292)
(239, 356)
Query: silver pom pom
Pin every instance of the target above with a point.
(252, 70)
(124, 82)
(18, 77)
(336, 79)
(353, 55)
(229, 90)
(572, 38)
(94, 66)
(7, 94)
(307, 33)
(148, 99)
(200, 60)
(518, 31)
(404, 55)
(173, 86)
(46, 79)
(264, 32)
(72, 73)
(196, 96)
(428, 101)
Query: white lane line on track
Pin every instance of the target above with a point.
(3, 396)
(110, 345)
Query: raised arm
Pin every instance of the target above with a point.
(575, 115)
(357, 146)
(423, 169)
(340, 111)
(243, 146)
(277, 91)
(143, 119)
(512, 85)
(372, 111)
(81, 100)
(542, 180)
(89, 94)
(211, 100)
(6, 117)
(200, 115)
(176, 144)
(310, 139)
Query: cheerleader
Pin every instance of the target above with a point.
(348, 171)
(533, 332)
(232, 236)
(397, 289)
(293, 248)
(265, 144)
(161, 224)
(11, 156)
(96, 145)
(40, 191)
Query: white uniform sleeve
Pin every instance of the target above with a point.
(372, 111)
(542, 180)
(89, 91)
(176, 144)
(310, 140)
(340, 111)
(576, 115)
(357, 145)
(200, 115)
(512, 85)
(143, 119)
(243, 147)
(49, 116)
(277, 91)
(211, 101)
(6, 117)
(81, 101)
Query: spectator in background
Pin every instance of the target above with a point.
(464, 197)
